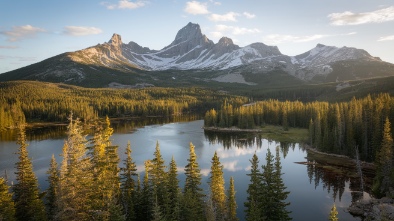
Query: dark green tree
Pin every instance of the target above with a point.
(383, 181)
(193, 194)
(253, 203)
(128, 185)
(231, 202)
(52, 191)
(28, 205)
(174, 192)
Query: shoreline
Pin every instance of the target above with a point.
(231, 129)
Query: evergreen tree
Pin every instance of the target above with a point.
(128, 187)
(273, 190)
(333, 214)
(193, 193)
(158, 180)
(383, 181)
(146, 198)
(28, 205)
(253, 203)
(52, 192)
(280, 190)
(7, 206)
(76, 178)
(173, 191)
(216, 184)
(231, 202)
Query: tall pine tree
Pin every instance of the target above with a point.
(216, 184)
(53, 189)
(231, 202)
(253, 204)
(28, 205)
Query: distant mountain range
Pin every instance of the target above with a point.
(117, 63)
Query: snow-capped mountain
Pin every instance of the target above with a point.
(192, 50)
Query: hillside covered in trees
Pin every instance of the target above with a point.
(28, 101)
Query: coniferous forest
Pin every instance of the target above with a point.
(360, 125)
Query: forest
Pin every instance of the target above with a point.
(360, 126)
(89, 185)
(29, 101)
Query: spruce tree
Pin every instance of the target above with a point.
(52, 191)
(7, 206)
(253, 204)
(216, 184)
(333, 214)
(231, 202)
(158, 180)
(384, 163)
(76, 178)
(193, 193)
(280, 190)
(128, 185)
(28, 205)
(173, 191)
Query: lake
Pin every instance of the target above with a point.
(312, 190)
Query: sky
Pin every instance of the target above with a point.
(31, 31)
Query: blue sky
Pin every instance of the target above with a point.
(31, 31)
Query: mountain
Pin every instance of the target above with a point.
(193, 57)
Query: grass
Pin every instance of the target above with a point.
(293, 135)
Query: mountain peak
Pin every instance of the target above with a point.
(225, 41)
(189, 32)
(116, 40)
(320, 45)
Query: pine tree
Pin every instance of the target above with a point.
(104, 157)
(173, 191)
(7, 206)
(333, 214)
(253, 203)
(158, 180)
(193, 193)
(28, 205)
(384, 163)
(52, 192)
(231, 202)
(273, 189)
(76, 178)
(128, 187)
(280, 190)
(216, 184)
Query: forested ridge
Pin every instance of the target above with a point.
(29, 101)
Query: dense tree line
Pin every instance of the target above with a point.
(340, 128)
(38, 101)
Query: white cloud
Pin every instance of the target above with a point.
(196, 8)
(351, 18)
(249, 15)
(215, 3)
(20, 32)
(236, 30)
(217, 34)
(231, 166)
(387, 38)
(230, 16)
(277, 39)
(124, 4)
(81, 31)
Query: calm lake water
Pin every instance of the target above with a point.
(312, 191)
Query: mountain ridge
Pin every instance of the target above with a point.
(191, 50)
